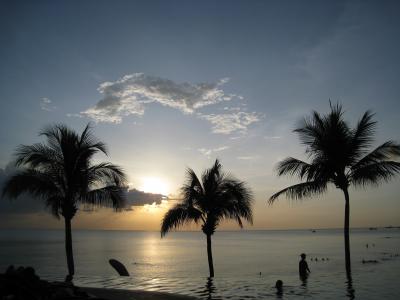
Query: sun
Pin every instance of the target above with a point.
(154, 185)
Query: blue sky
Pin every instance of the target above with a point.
(172, 84)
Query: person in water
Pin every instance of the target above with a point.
(303, 267)
(279, 287)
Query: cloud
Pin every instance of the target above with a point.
(247, 157)
(232, 108)
(208, 152)
(130, 94)
(231, 122)
(138, 198)
(46, 104)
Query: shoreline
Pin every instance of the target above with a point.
(122, 294)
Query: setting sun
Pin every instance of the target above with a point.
(154, 185)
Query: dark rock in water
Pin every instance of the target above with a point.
(23, 284)
(119, 267)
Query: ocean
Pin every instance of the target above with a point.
(247, 263)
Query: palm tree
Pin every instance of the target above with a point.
(340, 155)
(216, 197)
(61, 173)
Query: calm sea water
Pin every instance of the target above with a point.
(178, 263)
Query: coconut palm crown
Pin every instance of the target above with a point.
(61, 173)
(340, 155)
(214, 198)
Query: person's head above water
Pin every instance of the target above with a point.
(279, 284)
(303, 256)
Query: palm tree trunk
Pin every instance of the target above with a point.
(68, 247)
(209, 253)
(346, 232)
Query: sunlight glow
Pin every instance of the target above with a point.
(156, 208)
(154, 185)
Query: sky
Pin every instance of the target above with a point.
(175, 84)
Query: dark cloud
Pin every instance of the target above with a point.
(139, 198)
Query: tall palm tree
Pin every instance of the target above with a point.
(61, 173)
(340, 155)
(216, 197)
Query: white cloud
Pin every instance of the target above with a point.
(247, 157)
(129, 95)
(209, 152)
(231, 122)
(46, 104)
(232, 108)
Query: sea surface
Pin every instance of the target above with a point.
(247, 263)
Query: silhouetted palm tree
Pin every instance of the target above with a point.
(340, 155)
(60, 172)
(216, 197)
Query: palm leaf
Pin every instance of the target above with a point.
(235, 201)
(108, 196)
(106, 173)
(374, 173)
(292, 166)
(363, 134)
(301, 190)
(386, 151)
(178, 216)
(192, 190)
(36, 156)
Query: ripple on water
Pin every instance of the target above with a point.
(326, 286)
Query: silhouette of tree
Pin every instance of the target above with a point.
(340, 155)
(216, 197)
(60, 172)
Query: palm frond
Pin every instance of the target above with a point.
(30, 181)
(106, 173)
(36, 156)
(53, 136)
(363, 134)
(54, 204)
(108, 196)
(386, 151)
(192, 190)
(374, 173)
(292, 166)
(88, 142)
(211, 177)
(178, 216)
(301, 190)
(310, 129)
(235, 201)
